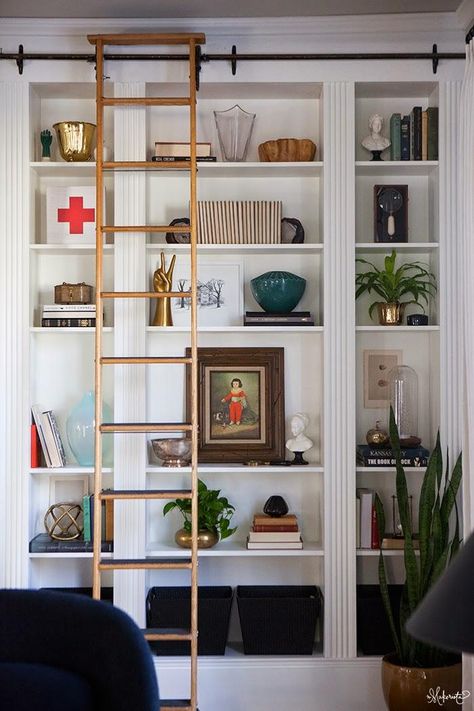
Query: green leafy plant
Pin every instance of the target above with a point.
(214, 511)
(392, 285)
(437, 547)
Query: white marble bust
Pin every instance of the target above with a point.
(299, 442)
(376, 142)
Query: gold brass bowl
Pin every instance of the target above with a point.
(75, 139)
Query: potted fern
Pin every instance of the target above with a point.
(393, 286)
(414, 667)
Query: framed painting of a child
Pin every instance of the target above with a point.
(241, 404)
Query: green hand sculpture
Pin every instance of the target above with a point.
(46, 140)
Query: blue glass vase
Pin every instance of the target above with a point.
(278, 292)
(80, 426)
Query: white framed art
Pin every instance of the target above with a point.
(68, 489)
(220, 294)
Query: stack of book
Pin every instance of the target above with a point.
(107, 518)
(414, 136)
(262, 318)
(368, 456)
(367, 535)
(68, 315)
(175, 152)
(47, 431)
(269, 533)
(43, 543)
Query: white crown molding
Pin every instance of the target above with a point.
(465, 14)
(354, 24)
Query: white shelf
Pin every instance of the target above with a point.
(260, 170)
(305, 248)
(69, 470)
(61, 169)
(231, 549)
(397, 329)
(62, 554)
(234, 652)
(382, 247)
(366, 553)
(68, 249)
(237, 329)
(392, 167)
(44, 329)
(235, 469)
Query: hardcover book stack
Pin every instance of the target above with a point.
(368, 456)
(107, 519)
(68, 315)
(414, 136)
(263, 318)
(268, 533)
(367, 535)
(45, 429)
(175, 152)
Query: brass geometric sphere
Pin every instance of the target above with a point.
(61, 521)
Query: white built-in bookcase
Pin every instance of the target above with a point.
(333, 198)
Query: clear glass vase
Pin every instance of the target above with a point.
(234, 128)
(403, 383)
(80, 428)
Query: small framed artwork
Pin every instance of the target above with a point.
(220, 295)
(390, 213)
(377, 366)
(241, 404)
(68, 489)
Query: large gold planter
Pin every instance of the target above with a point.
(206, 539)
(390, 314)
(75, 139)
(415, 689)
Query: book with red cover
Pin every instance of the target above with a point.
(261, 528)
(35, 448)
(375, 542)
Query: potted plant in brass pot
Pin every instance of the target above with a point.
(214, 515)
(394, 286)
(414, 667)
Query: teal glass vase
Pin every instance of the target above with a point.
(80, 430)
(278, 292)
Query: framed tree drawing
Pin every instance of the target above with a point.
(241, 404)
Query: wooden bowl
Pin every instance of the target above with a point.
(287, 149)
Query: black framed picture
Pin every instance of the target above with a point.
(390, 213)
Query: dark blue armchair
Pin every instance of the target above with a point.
(66, 652)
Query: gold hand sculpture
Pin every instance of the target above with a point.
(163, 282)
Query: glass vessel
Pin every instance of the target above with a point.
(80, 426)
(403, 383)
(234, 128)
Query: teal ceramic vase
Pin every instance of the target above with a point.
(80, 426)
(278, 292)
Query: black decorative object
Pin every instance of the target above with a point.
(179, 237)
(376, 155)
(390, 213)
(298, 460)
(292, 231)
(275, 506)
(417, 320)
(278, 619)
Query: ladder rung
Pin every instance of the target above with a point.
(146, 101)
(145, 427)
(148, 39)
(145, 564)
(167, 635)
(158, 165)
(146, 228)
(146, 494)
(172, 704)
(144, 359)
(145, 294)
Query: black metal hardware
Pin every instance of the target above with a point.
(198, 56)
(435, 60)
(470, 35)
(19, 59)
(233, 62)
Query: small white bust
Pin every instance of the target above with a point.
(376, 142)
(299, 442)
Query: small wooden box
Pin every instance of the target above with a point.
(72, 293)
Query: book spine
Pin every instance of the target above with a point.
(433, 113)
(109, 520)
(395, 137)
(69, 307)
(416, 114)
(366, 451)
(375, 540)
(424, 135)
(86, 514)
(68, 322)
(405, 138)
(68, 314)
(176, 159)
(57, 437)
(36, 410)
(262, 528)
(74, 546)
(34, 447)
(391, 461)
(50, 441)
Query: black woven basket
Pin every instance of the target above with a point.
(373, 630)
(278, 619)
(168, 607)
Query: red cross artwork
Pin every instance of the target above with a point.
(76, 214)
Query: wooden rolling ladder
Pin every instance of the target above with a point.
(192, 41)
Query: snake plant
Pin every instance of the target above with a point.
(394, 284)
(437, 547)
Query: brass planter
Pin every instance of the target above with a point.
(206, 539)
(390, 314)
(75, 139)
(413, 688)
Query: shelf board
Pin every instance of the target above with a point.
(393, 167)
(45, 329)
(61, 169)
(62, 554)
(397, 329)
(68, 249)
(237, 329)
(231, 549)
(385, 247)
(250, 169)
(234, 652)
(305, 248)
(366, 553)
(235, 469)
(68, 470)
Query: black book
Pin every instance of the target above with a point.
(174, 159)
(43, 543)
(266, 314)
(415, 133)
(405, 138)
(68, 322)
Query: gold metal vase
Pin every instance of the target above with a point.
(390, 314)
(75, 139)
(415, 688)
(206, 539)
